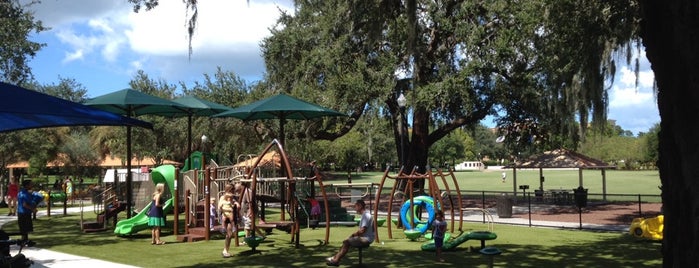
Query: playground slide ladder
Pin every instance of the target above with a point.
(303, 208)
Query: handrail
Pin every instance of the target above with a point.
(368, 188)
(487, 213)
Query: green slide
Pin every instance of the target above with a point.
(162, 174)
(453, 243)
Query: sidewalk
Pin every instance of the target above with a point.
(477, 215)
(48, 258)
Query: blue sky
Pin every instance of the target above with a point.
(102, 44)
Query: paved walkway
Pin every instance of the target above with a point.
(477, 215)
(48, 258)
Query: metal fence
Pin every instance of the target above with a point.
(526, 208)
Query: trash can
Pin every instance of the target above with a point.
(539, 195)
(580, 197)
(504, 206)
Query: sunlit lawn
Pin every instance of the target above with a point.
(521, 247)
(617, 181)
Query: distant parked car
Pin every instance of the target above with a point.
(650, 228)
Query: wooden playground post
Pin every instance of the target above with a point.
(207, 204)
(390, 198)
(48, 206)
(376, 210)
(458, 198)
(327, 210)
(186, 211)
(65, 203)
(446, 186)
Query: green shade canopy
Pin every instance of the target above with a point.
(130, 102)
(201, 107)
(280, 107)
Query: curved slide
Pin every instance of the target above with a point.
(162, 174)
(419, 227)
(453, 243)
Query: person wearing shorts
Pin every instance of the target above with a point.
(12, 192)
(439, 227)
(361, 238)
(26, 206)
(229, 210)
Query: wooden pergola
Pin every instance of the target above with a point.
(561, 158)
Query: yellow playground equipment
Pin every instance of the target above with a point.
(650, 228)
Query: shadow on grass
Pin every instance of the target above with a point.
(624, 253)
(520, 246)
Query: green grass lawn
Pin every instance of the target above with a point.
(521, 247)
(619, 182)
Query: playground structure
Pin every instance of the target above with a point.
(108, 200)
(268, 181)
(165, 174)
(451, 244)
(431, 200)
(352, 191)
(273, 182)
(648, 228)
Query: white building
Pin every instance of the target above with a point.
(469, 165)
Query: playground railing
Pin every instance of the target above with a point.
(527, 203)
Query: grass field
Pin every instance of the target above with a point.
(521, 247)
(618, 182)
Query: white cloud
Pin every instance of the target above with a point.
(103, 43)
(626, 93)
(222, 25)
(634, 107)
(75, 55)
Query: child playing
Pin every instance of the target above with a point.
(439, 227)
(212, 213)
(315, 208)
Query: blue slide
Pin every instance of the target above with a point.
(162, 174)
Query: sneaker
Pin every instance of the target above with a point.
(225, 254)
(330, 262)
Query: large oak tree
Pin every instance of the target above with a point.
(669, 34)
(456, 62)
(670, 31)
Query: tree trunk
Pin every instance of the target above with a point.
(671, 37)
(419, 143)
